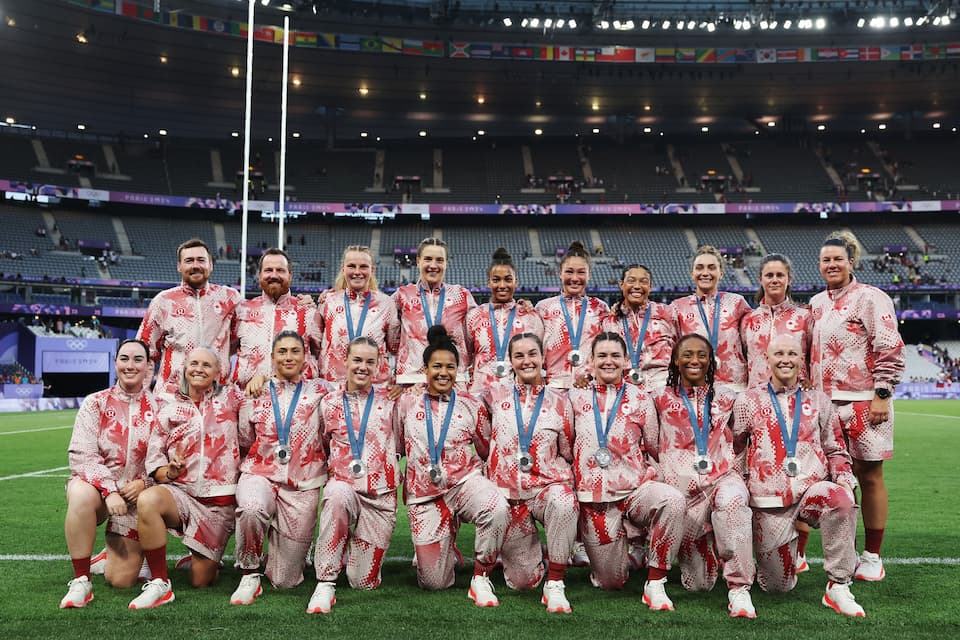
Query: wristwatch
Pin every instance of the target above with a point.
(882, 393)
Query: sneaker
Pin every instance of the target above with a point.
(79, 593)
(870, 567)
(555, 598)
(155, 593)
(802, 565)
(248, 590)
(838, 597)
(481, 592)
(98, 563)
(741, 605)
(185, 563)
(145, 575)
(637, 556)
(323, 598)
(579, 558)
(655, 595)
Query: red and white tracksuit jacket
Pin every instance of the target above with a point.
(259, 320)
(413, 327)
(766, 322)
(729, 348)
(662, 334)
(382, 325)
(183, 318)
(481, 344)
(556, 338)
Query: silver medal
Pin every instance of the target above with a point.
(602, 457)
(283, 454)
(702, 465)
(525, 461)
(575, 358)
(791, 466)
(716, 362)
(635, 376)
(436, 474)
(501, 369)
(357, 468)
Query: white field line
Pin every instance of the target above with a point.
(13, 433)
(925, 415)
(33, 474)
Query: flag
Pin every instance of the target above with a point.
(934, 52)
(521, 53)
(217, 26)
(304, 38)
(726, 56)
(500, 51)
(767, 55)
(326, 40)
(585, 54)
(804, 54)
(564, 53)
(746, 55)
(391, 45)
(889, 53)
(412, 47)
(459, 49)
(786, 55)
(238, 29)
(645, 54)
(370, 45)
(544, 52)
(433, 48)
(827, 54)
(347, 42)
(706, 55)
(132, 10)
(616, 54)
(480, 50)
(264, 33)
(664, 54)
(870, 53)
(911, 52)
(848, 54)
(953, 50)
(686, 54)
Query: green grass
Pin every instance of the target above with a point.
(915, 600)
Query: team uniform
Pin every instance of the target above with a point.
(182, 318)
(259, 320)
(359, 507)
(108, 447)
(452, 303)
(661, 334)
(697, 314)
(717, 522)
(204, 437)
(558, 343)
(460, 491)
(626, 489)
(810, 494)
(539, 488)
(763, 324)
(857, 348)
(380, 323)
(481, 340)
(278, 500)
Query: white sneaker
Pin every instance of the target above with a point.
(98, 563)
(579, 558)
(838, 597)
(655, 595)
(79, 593)
(248, 590)
(802, 565)
(155, 593)
(870, 567)
(323, 598)
(481, 592)
(637, 556)
(555, 598)
(741, 605)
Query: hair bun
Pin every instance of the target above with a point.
(502, 255)
(577, 248)
(437, 335)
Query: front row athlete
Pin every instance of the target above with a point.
(799, 469)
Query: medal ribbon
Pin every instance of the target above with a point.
(500, 346)
(574, 336)
(636, 351)
(700, 429)
(713, 331)
(597, 420)
(436, 447)
(283, 427)
(363, 315)
(526, 434)
(357, 440)
(789, 439)
(426, 307)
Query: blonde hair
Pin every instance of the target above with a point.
(846, 240)
(340, 283)
(184, 387)
(707, 250)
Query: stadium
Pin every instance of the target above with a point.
(642, 129)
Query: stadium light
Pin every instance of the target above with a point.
(81, 127)
(690, 24)
(747, 25)
(945, 21)
(481, 132)
(364, 134)
(596, 130)
(936, 21)
(538, 132)
(507, 22)
(422, 133)
(787, 24)
(534, 23)
(821, 24)
(681, 25)
(572, 23)
(908, 21)
(821, 127)
(525, 22)
(882, 126)
(548, 23)
(764, 25)
(234, 134)
(704, 129)
(647, 130)
(711, 27)
(645, 24)
(665, 25)
(162, 132)
(771, 123)
(560, 23)
(860, 23)
(936, 125)
(10, 120)
(894, 22)
(604, 24)
(773, 24)
(296, 134)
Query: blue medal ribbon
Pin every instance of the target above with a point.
(426, 307)
(363, 315)
(436, 447)
(357, 440)
(713, 331)
(500, 346)
(602, 433)
(701, 428)
(526, 433)
(574, 336)
(283, 427)
(636, 351)
(789, 439)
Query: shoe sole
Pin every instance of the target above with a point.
(251, 600)
(827, 602)
(77, 605)
(664, 607)
(319, 610)
(865, 578)
(167, 599)
(566, 609)
(740, 613)
(487, 603)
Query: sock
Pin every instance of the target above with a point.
(81, 566)
(482, 568)
(874, 538)
(157, 561)
(556, 570)
(653, 573)
(802, 537)
(247, 572)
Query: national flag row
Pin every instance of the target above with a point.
(500, 51)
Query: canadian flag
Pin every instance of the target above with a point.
(564, 53)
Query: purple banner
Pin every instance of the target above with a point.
(8, 405)
(927, 391)
(74, 362)
(15, 391)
